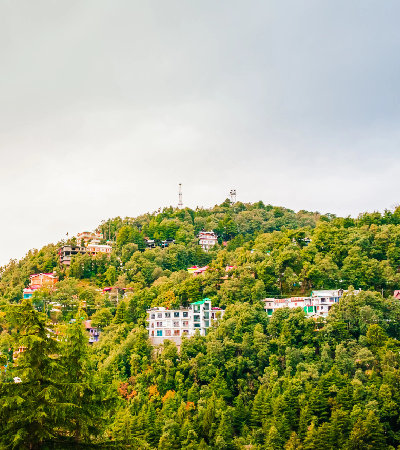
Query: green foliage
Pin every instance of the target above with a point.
(255, 381)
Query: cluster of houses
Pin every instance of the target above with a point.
(173, 324)
(318, 304)
(87, 242)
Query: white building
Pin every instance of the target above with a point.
(93, 249)
(207, 239)
(172, 324)
(318, 304)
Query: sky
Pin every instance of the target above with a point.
(106, 106)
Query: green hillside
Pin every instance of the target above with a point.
(254, 382)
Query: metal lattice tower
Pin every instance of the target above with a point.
(233, 195)
(180, 204)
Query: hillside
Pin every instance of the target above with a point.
(253, 381)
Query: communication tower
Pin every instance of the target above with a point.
(233, 195)
(180, 204)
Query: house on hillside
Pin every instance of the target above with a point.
(94, 333)
(66, 252)
(39, 280)
(207, 239)
(318, 304)
(93, 249)
(88, 236)
(172, 324)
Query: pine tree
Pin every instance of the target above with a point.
(225, 430)
(121, 313)
(273, 441)
(311, 439)
(54, 401)
(209, 417)
(240, 413)
(367, 434)
(151, 426)
(294, 443)
(258, 410)
(80, 388)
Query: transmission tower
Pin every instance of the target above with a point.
(180, 204)
(233, 195)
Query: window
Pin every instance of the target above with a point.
(153, 316)
(167, 332)
(176, 323)
(185, 314)
(185, 323)
(176, 332)
(159, 324)
(207, 323)
(185, 332)
(196, 308)
(206, 306)
(159, 332)
(168, 323)
(176, 314)
(196, 318)
(159, 315)
(270, 311)
(152, 325)
(197, 325)
(152, 332)
(206, 315)
(167, 315)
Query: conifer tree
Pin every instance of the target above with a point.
(273, 441)
(225, 430)
(121, 313)
(151, 426)
(33, 411)
(294, 443)
(209, 417)
(311, 439)
(367, 434)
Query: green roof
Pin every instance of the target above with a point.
(200, 302)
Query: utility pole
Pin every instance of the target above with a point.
(180, 204)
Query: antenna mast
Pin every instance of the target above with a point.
(180, 204)
(233, 195)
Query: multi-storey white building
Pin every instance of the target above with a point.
(172, 324)
(207, 239)
(318, 304)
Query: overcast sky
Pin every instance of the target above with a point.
(106, 106)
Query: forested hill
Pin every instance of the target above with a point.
(255, 382)
(267, 245)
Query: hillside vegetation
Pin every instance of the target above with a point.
(254, 382)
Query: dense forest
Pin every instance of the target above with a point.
(254, 382)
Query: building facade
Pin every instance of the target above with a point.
(172, 324)
(66, 252)
(318, 304)
(207, 239)
(39, 280)
(93, 249)
(88, 236)
(93, 332)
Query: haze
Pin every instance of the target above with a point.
(107, 106)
